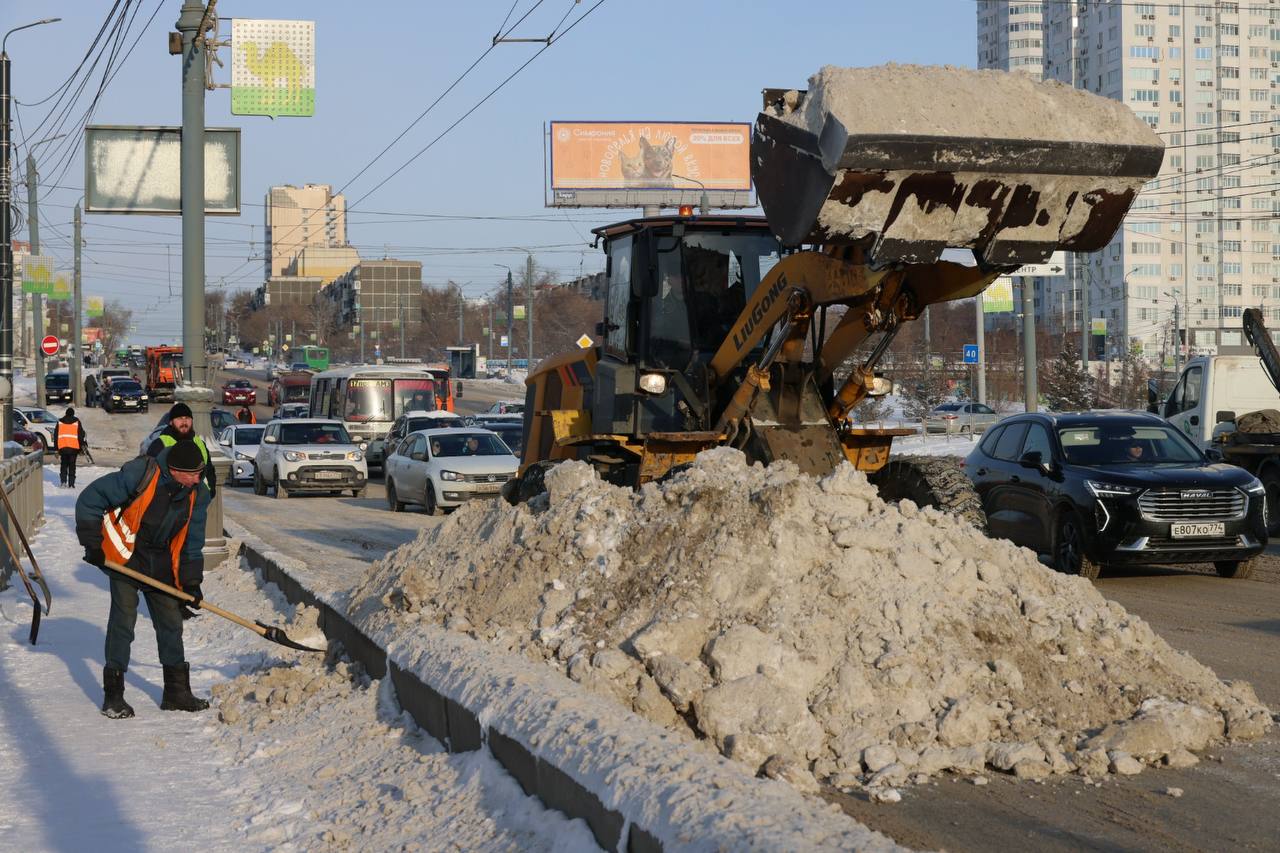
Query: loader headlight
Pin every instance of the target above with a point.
(653, 383)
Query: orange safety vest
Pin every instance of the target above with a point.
(68, 436)
(120, 526)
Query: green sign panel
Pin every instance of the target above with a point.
(273, 67)
(61, 291)
(1098, 325)
(37, 274)
(95, 307)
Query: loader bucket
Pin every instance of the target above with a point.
(920, 159)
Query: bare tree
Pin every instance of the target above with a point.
(114, 323)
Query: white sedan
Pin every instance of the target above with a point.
(445, 468)
(240, 442)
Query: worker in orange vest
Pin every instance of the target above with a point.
(70, 441)
(246, 415)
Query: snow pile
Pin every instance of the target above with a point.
(809, 629)
(338, 766)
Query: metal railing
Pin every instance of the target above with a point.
(22, 478)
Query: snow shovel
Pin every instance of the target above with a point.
(26, 581)
(37, 574)
(270, 632)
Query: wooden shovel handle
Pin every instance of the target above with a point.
(187, 597)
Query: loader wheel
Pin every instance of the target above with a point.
(935, 481)
(531, 483)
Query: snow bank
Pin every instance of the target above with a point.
(807, 629)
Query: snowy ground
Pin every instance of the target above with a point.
(335, 767)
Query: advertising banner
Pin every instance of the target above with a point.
(615, 155)
(95, 307)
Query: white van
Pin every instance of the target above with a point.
(1214, 389)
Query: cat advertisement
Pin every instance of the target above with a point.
(626, 155)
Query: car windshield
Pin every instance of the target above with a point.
(512, 437)
(56, 380)
(468, 444)
(313, 434)
(249, 436)
(119, 387)
(416, 424)
(297, 393)
(239, 383)
(415, 395)
(1126, 444)
(948, 407)
(221, 418)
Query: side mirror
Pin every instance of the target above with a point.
(1225, 417)
(600, 329)
(418, 456)
(1214, 454)
(1030, 459)
(270, 439)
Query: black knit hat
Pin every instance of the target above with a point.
(185, 456)
(180, 410)
(70, 413)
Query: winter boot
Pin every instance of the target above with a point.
(177, 690)
(113, 704)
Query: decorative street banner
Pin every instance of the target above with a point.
(273, 67)
(1098, 326)
(61, 291)
(998, 298)
(650, 155)
(95, 307)
(37, 274)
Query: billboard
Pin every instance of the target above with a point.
(273, 67)
(135, 169)
(626, 163)
(998, 298)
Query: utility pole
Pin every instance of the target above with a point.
(528, 273)
(1029, 344)
(77, 354)
(191, 23)
(510, 321)
(1177, 341)
(490, 335)
(1085, 331)
(982, 351)
(928, 359)
(37, 301)
(460, 333)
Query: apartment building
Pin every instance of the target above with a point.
(298, 218)
(1010, 36)
(1201, 243)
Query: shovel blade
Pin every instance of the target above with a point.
(276, 635)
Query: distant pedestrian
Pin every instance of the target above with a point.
(182, 428)
(71, 441)
(150, 517)
(246, 415)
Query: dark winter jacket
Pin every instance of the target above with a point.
(72, 419)
(159, 448)
(162, 522)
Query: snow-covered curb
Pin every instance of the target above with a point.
(637, 786)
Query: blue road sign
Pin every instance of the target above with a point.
(970, 353)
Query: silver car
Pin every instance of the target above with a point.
(445, 468)
(962, 418)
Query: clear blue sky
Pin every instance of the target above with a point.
(380, 63)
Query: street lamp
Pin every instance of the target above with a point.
(6, 236)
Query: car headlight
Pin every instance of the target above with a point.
(294, 456)
(1256, 487)
(653, 383)
(1111, 490)
(115, 397)
(364, 445)
(355, 456)
(143, 398)
(243, 457)
(450, 475)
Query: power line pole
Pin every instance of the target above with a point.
(76, 351)
(510, 321)
(490, 335)
(1029, 345)
(460, 332)
(982, 351)
(528, 267)
(191, 23)
(37, 301)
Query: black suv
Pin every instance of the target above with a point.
(1097, 488)
(124, 395)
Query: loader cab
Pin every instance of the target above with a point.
(675, 287)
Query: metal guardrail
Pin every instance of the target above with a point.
(22, 478)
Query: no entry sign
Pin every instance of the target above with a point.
(49, 345)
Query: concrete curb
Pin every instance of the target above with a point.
(638, 787)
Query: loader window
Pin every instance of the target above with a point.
(618, 311)
(669, 344)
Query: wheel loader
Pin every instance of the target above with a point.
(732, 330)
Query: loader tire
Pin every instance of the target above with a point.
(935, 481)
(530, 484)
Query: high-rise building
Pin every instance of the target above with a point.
(1200, 243)
(298, 218)
(1010, 36)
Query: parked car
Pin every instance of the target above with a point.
(309, 455)
(445, 468)
(241, 442)
(221, 419)
(40, 422)
(405, 424)
(96, 380)
(30, 441)
(124, 395)
(231, 363)
(1093, 489)
(57, 386)
(239, 392)
(291, 410)
(962, 418)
